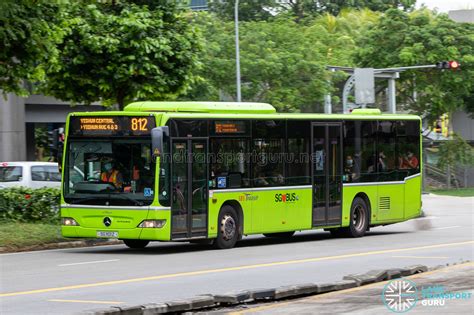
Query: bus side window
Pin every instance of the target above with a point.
(229, 159)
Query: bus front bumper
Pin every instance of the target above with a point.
(150, 234)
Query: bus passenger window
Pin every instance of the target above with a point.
(229, 165)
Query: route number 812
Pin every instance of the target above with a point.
(139, 124)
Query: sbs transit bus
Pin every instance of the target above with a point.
(213, 172)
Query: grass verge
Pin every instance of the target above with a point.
(460, 192)
(15, 234)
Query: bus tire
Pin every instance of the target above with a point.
(136, 243)
(280, 234)
(228, 228)
(359, 218)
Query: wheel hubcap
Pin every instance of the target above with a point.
(228, 227)
(358, 218)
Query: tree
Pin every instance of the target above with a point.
(116, 52)
(249, 10)
(304, 8)
(29, 32)
(280, 64)
(419, 38)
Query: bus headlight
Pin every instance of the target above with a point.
(152, 224)
(69, 222)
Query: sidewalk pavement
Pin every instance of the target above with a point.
(367, 299)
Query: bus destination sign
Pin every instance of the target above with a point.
(111, 126)
(222, 127)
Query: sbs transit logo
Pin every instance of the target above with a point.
(400, 295)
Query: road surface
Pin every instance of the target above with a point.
(68, 281)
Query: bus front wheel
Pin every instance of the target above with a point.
(228, 228)
(359, 218)
(136, 243)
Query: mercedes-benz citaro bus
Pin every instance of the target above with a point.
(214, 171)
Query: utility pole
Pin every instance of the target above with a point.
(237, 52)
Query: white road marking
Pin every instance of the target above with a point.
(88, 262)
(86, 301)
(446, 227)
(422, 257)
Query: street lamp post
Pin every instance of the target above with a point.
(237, 53)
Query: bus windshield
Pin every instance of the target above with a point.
(117, 172)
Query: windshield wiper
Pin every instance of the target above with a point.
(127, 197)
(83, 199)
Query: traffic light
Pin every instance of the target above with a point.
(53, 142)
(53, 139)
(453, 64)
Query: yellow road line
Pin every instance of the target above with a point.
(86, 301)
(245, 267)
(421, 257)
(330, 294)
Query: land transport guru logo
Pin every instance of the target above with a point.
(400, 295)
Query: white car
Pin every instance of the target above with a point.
(29, 174)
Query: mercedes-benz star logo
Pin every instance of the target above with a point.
(400, 295)
(107, 221)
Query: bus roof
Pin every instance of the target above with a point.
(202, 107)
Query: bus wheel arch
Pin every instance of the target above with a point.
(359, 217)
(367, 203)
(240, 213)
(229, 226)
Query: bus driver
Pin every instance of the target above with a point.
(111, 175)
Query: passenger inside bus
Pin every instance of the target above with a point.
(408, 161)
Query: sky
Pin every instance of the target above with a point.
(446, 5)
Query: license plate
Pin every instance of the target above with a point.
(107, 234)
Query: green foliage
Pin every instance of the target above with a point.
(282, 62)
(257, 10)
(29, 32)
(304, 8)
(422, 37)
(119, 51)
(249, 10)
(455, 152)
(23, 204)
(15, 235)
(41, 137)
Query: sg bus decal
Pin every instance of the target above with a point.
(288, 197)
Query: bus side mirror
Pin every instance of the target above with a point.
(158, 136)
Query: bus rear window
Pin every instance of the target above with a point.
(10, 173)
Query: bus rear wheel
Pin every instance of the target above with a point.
(359, 219)
(136, 243)
(228, 228)
(280, 234)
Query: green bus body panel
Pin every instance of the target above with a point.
(124, 222)
(202, 107)
(261, 211)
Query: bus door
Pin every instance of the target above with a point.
(189, 180)
(327, 173)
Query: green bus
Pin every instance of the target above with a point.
(212, 172)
